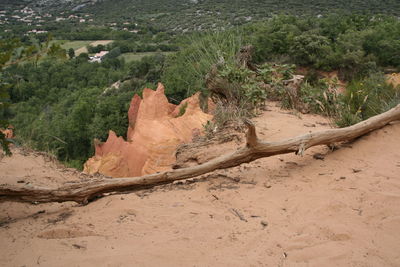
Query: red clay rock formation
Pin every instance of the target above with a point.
(154, 132)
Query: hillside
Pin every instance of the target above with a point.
(194, 15)
(205, 14)
(281, 211)
(48, 4)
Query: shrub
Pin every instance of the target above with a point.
(185, 71)
(366, 98)
(182, 109)
(251, 95)
(363, 99)
(310, 49)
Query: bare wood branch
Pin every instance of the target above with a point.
(84, 191)
(251, 135)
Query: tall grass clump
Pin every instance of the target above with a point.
(185, 71)
(362, 99)
(366, 98)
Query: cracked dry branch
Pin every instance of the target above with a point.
(83, 192)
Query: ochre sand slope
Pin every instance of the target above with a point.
(296, 211)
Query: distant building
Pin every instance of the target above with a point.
(98, 57)
(37, 31)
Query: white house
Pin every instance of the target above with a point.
(98, 57)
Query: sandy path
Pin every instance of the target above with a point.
(340, 211)
(95, 43)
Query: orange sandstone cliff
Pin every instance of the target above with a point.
(155, 130)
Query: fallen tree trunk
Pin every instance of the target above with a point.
(82, 192)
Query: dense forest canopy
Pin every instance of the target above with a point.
(206, 14)
(107, 17)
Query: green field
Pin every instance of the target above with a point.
(74, 44)
(80, 45)
(137, 56)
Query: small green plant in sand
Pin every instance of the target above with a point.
(182, 109)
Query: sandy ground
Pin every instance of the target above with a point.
(95, 43)
(287, 210)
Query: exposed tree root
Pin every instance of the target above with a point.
(82, 192)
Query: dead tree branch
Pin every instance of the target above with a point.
(84, 191)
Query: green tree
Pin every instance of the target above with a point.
(71, 53)
(7, 49)
(310, 49)
(114, 53)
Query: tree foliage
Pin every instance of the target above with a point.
(61, 106)
(12, 52)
